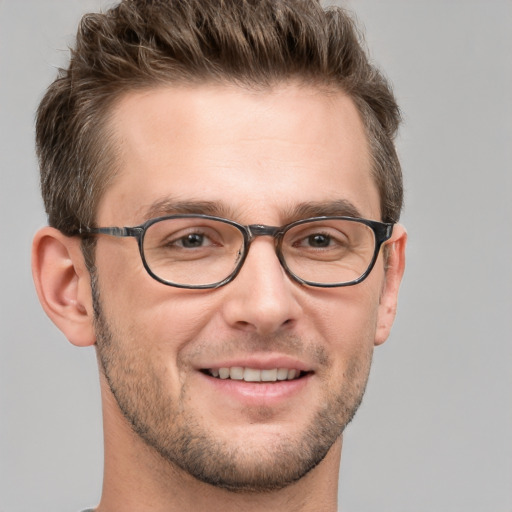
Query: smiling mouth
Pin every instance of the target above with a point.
(255, 374)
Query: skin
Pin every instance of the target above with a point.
(293, 145)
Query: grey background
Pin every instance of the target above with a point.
(435, 429)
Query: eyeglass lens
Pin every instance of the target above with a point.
(192, 251)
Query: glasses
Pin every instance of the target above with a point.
(202, 251)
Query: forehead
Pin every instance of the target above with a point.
(256, 153)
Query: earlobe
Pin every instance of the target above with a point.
(395, 266)
(63, 284)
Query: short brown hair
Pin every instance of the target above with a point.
(253, 43)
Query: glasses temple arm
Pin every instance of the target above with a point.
(113, 231)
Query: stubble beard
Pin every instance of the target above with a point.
(182, 441)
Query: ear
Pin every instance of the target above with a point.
(395, 266)
(63, 284)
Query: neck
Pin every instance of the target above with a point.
(138, 478)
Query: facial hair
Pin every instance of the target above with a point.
(183, 440)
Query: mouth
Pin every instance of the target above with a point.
(247, 374)
(260, 381)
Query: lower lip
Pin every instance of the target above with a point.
(258, 393)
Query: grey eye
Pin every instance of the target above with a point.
(192, 240)
(319, 240)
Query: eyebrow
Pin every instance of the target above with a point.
(336, 208)
(171, 206)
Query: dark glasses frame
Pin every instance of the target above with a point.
(381, 230)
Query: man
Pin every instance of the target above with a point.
(223, 195)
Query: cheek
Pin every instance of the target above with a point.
(346, 317)
(144, 310)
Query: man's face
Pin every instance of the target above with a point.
(256, 158)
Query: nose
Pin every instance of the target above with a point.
(262, 298)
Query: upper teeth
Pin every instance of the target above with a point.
(254, 374)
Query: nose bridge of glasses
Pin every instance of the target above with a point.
(275, 232)
(256, 230)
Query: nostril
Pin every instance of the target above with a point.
(245, 326)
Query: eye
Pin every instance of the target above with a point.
(191, 241)
(318, 240)
(196, 239)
